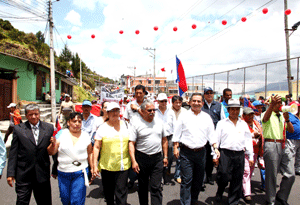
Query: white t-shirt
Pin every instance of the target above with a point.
(66, 151)
(128, 111)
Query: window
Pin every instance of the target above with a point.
(157, 81)
(149, 81)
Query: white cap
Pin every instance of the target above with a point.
(162, 96)
(112, 105)
(12, 105)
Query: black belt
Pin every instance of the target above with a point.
(147, 155)
(183, 146)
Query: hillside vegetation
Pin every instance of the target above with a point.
(33, 47)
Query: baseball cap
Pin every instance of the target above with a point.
(162, 96)
(233, 103)
(67, 95)
(12, 105)
(207, 89)
(256, 103)
(247, 110)
(111, 106)
(86, 102)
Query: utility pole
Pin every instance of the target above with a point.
(134, 68)
(153, 55)
(52, 69)
(80, 71)
(287, 41)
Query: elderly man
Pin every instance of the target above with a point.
(15, 119)
(234, 140)
(88, 118)
(227, 94)
(278, 156)
(258, 110)
(192, 131)
(146, 143)
(66, 108)
(29, 162)
(216, 112)
(134, 106)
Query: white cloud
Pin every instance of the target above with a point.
(74, 18)
(75, 29)
(87, 4)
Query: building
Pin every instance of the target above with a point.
(23, 79)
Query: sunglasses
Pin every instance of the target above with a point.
(163, 101)
(151, 110)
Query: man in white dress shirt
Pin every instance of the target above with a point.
(192, 131)
(234, 140)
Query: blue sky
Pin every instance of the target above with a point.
(211, 47)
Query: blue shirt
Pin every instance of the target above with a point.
(225, 109)
(2, 154)
(87, 125)
(296, 123)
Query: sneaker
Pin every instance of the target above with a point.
(247, 199)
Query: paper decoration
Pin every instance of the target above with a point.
(265, 10)
(69, 36)
(93, 36)
(224, 22)
(288, 12)
(244, 19)
(175, 28)
(121, 32)
(194, 26)
(155, 28)
(137, 32)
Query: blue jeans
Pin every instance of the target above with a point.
(177, 168)
(71, 187)
(192, 174)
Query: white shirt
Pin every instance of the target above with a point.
(171, 120)
(222, 114)
(67, 150)
(162, 116)
(234, 137)
(194, 130)
(128, 111)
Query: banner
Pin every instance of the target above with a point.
(112, 96)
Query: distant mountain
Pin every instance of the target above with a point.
(279, 86)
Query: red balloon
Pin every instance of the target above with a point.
(137, 32)
(69, 36)
(244, 19)
(265, 10)
(93, 36)
(155, 28)
(288, 12)
(194, 26)
(175, 28)
(224, 22)
(121, 32)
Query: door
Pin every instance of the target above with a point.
(6, 98)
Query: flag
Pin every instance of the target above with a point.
(171, 71)
(163, 70)
(181, 78)
(57, 127)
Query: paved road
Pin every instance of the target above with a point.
(171, 193)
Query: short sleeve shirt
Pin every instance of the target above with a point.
(273, 128)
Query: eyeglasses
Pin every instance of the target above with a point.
(151, 110)
(163, 101)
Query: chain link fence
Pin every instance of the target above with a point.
(260, 80)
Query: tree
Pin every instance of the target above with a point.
(40, 37)
(66, 54)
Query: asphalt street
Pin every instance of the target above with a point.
(171, 192)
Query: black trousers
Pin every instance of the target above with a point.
(41, 192)
(151, 166)
(115, 185)
(209, 166)
(231, 169)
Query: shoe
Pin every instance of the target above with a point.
(211, 182)
(280, 201)
(218, 198)
(247, 199)
(203, 188)
(297, 173)
(178, 180)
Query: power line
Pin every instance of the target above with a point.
(15, 5)
(190, 9)
(28, 6)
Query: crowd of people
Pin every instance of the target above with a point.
(142, 141)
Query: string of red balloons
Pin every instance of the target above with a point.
(194, 26)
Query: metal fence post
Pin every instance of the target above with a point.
(297, 79)
(202, 85)
(227, 79)
(266, 74)
(214, 85)
(244, 91)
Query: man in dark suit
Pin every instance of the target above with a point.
(29, 162)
